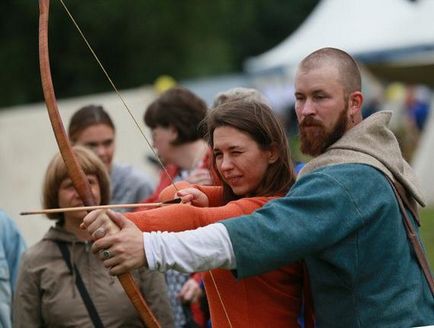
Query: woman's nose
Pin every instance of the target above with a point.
(226, 163)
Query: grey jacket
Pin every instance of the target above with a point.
(129, 185)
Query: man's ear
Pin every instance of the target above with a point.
(356, 102)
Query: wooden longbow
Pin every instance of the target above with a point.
(74, 170)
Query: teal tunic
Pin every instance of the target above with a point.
(344, 220)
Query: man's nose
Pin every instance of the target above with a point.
(308, 108)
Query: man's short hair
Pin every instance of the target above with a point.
(346, 65)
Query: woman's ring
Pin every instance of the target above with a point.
(106, 254)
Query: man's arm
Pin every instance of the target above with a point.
(308, 219)
(323, 208)
(190, 251)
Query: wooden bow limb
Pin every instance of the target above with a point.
(100, 207)
(74, 170)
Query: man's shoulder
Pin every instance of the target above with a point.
(348, 170)
(351, 177)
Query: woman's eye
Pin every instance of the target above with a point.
(66, 184)
(92, 180)
(108, 143)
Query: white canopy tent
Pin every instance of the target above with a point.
(388, 31)
(392, 30)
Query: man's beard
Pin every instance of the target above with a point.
(314, 137)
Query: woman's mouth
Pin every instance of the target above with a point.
(234, 180)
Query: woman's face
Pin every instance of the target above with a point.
(101, 139)
(239, 160)
(68, 196)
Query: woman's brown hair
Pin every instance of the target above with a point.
(179, 108)
(57, 172)
(258, 121)
(85, 117)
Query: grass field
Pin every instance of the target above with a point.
(427, 230)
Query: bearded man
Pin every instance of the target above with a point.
(342, 216)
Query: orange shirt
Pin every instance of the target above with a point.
(272, 299)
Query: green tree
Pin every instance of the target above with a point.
(137, 41)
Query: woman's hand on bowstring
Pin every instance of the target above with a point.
(193, 196)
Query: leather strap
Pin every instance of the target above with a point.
(412, 235)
